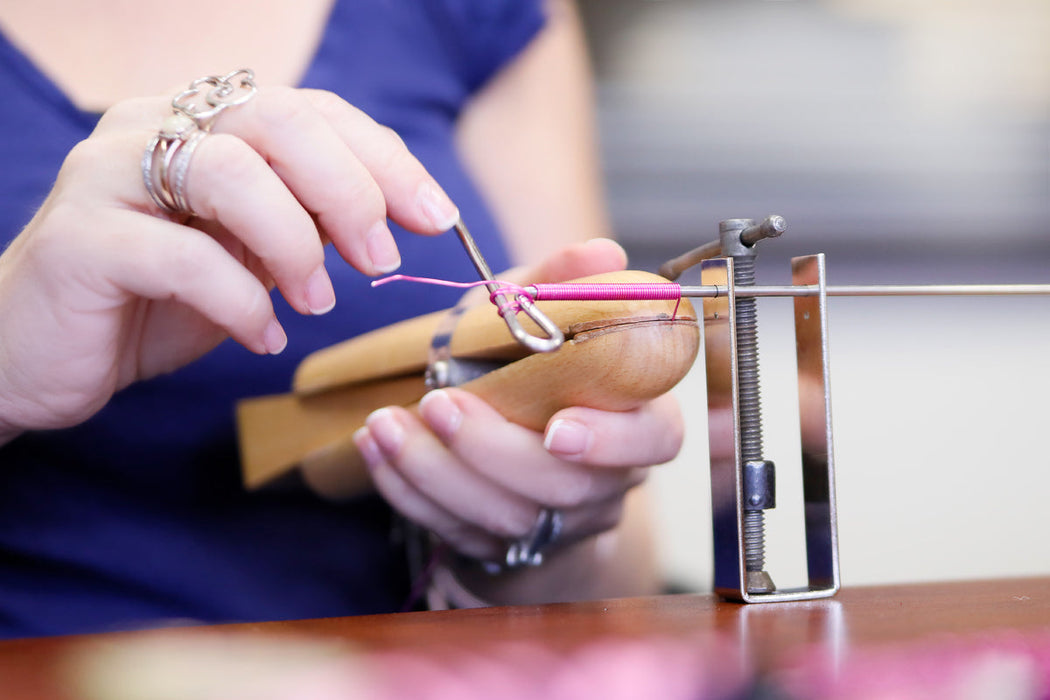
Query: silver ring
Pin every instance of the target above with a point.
(528, 551)
(167, 157)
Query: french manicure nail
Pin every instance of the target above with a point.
(386, 430)
(439, 209)
(382, 250)
(274, 338)
(441, 413)
(320, 297)
(567, 438)
(368, 448)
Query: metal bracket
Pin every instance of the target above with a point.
(727, 467)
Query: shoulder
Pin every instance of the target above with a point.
(486, 34)
(441, 45)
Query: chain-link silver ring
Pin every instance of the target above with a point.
(166, 160)
(528, 551)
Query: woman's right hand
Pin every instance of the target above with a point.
(103, 288)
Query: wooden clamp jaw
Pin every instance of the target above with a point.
(617, 355)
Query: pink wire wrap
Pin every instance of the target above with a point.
(561, 291)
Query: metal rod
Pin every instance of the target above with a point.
(673, 269)
(474, 253)
(877, 290)
(939, 290)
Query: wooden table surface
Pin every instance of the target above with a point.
(764, 636)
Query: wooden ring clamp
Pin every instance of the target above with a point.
(616, 356)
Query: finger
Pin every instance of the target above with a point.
(650, 434)
(414, 199)
(592, 519)
(162, 260)
(466, 538)
(423, 461)
(226, 182)
(327, 177)
(136, 114)
(414, 505)
(478, 434)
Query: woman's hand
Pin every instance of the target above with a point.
(479, 481)
(102, 288)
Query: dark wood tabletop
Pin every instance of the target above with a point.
(759, 638)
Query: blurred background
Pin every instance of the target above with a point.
(910, 142)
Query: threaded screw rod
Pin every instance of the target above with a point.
(750, 404)
(738, 237)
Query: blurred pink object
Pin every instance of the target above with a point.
(1001, 666)
(648, 667)
(217, 666)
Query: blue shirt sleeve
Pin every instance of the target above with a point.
(484, 35)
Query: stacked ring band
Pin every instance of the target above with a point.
(528, 551)
(168, 154)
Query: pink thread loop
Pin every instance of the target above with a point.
(510, 292)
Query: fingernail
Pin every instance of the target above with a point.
(438, 208)
(320, 297)
(382, 250)
(368, 448)
(441, 413)
(274, 337)
(386, 430)
(567, 438)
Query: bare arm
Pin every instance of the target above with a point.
(528, 139)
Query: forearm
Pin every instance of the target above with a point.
(529, 142)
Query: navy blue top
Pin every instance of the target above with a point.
(138, 516)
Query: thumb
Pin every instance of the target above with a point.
(590, 258)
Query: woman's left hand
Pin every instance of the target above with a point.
(478, 481)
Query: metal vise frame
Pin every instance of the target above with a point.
(742, 482)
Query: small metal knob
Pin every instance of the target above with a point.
(772, 227)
